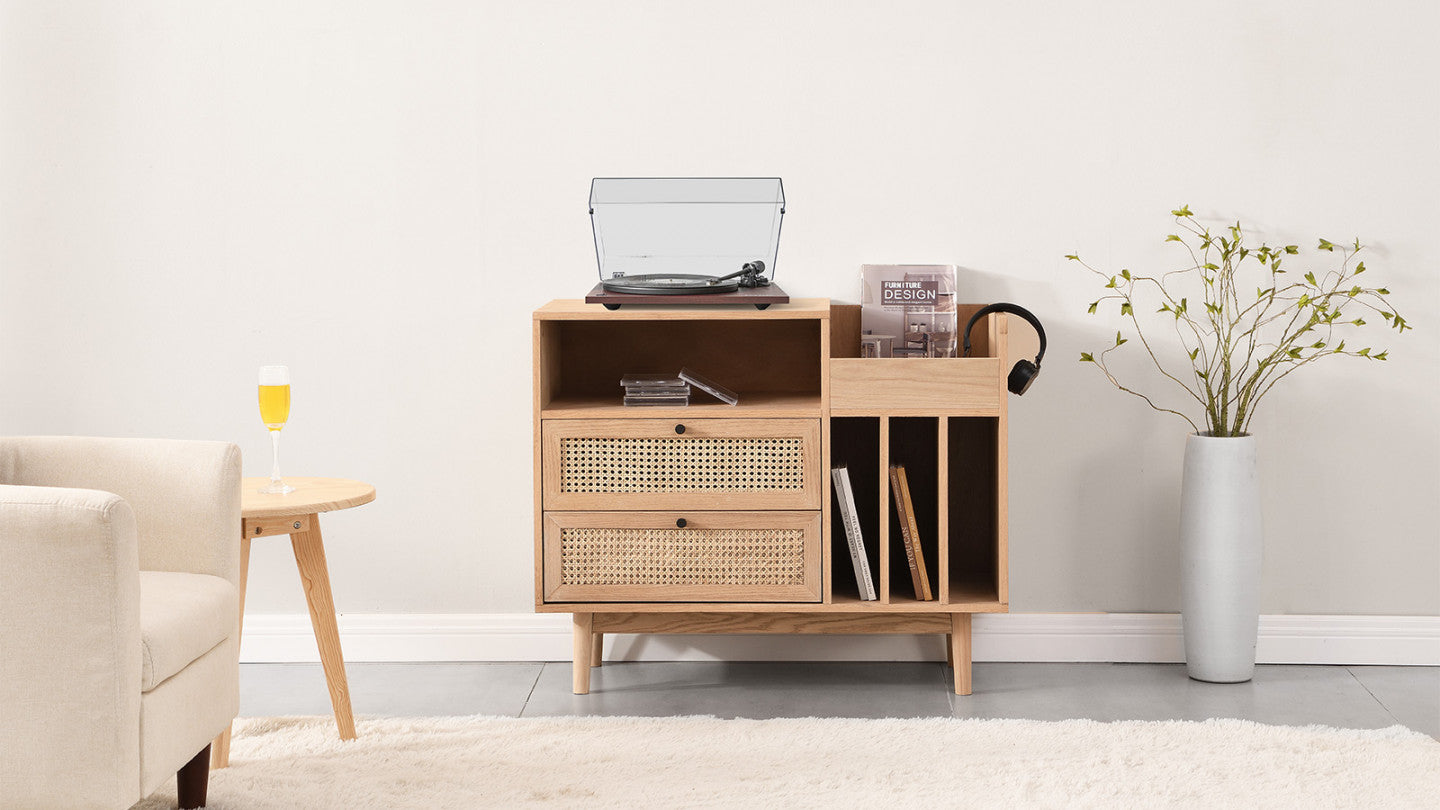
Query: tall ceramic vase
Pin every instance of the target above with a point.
(1220, 538)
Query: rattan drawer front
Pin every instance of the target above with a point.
(682, 464)
(682, 557)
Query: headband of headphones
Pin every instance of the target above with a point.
(1013, 309)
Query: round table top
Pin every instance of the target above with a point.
(311, 495)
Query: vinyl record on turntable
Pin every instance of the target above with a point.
(669, 284)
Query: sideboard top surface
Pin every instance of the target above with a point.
(575, 309)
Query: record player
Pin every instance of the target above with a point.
(686, 240)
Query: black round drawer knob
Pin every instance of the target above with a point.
(680, 523)
(679, 428)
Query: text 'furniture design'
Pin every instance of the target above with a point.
(711, 518)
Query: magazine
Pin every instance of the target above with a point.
(907, 310)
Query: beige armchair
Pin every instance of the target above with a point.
(118, 629)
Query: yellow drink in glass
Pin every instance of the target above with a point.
(274, 405)
(275, 411)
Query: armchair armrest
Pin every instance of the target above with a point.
(185, 494)
(69, 648)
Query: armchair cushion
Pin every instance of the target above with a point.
(182, 617)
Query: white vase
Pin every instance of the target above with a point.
(1220, 539)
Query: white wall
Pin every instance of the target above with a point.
(379, 193)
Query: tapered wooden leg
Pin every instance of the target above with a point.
(315, 578)
(597, 654)
(193, 780)
(949, 651)
(584, 647)
(960, 651)
(220, 749)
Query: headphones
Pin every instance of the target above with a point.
(1024, 371)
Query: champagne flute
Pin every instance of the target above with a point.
(274, 412)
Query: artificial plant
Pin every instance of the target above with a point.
(1240, 345)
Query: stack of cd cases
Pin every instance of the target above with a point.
(655, 389)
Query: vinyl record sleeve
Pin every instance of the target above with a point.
(909, 309)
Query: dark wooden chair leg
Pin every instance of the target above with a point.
(192, 780)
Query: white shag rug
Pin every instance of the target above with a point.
(597, 762)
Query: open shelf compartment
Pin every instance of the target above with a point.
(898, 386)
(973, 510)
(773, 365)
(855, 444)
(914, 446)
(953, 473)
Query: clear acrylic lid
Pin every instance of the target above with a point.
(707, 226)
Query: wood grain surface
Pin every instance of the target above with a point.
(311, 495)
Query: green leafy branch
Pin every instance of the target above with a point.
(1237, 346)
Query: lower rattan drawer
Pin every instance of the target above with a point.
(682, 557)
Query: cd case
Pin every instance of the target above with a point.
(652, 380)
(710, 387)
(655, 389)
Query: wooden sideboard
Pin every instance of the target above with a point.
(712, 518)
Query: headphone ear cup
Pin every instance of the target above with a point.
(1021, 376)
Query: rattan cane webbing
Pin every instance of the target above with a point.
(597, 464)
(694, 556)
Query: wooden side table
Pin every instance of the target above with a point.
(298, 515)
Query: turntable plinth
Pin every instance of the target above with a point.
(760, 297)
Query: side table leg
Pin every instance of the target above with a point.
(960, 651)
(315, 578)
(583, 646)
(220, 749)
(597, 655)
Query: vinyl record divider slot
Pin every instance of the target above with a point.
(912, 444)
(855, 443)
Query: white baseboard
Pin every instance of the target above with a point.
(1122, 637)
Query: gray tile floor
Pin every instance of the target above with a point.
(1347, 697)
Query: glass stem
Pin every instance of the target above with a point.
(275, 448)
